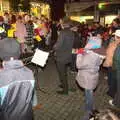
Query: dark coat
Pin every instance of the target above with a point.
(116, 59)
(77, 41)
(116, 67)
(64, 46)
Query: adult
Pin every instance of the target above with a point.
(63, 50)
(16, 83)
(111, 77)
(116, 64)
(21, 33)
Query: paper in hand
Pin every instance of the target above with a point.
(40, 57)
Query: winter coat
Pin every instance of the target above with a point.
(16, 91)
(77, 41)
(64, 46)
(88, 69)
(116, 68)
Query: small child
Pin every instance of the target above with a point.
(88, 63)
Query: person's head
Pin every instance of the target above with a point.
(116, 22)
(97, 24)
(117, 36)
(13, 19)
(9, 48)
(98, 33)
(6, 14)
(66, 23)
(20, 19)
(90, 27)
(61, 21)
(27, 18)
(42, 17)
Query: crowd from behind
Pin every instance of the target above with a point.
(84, 48)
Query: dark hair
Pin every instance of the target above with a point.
(1, 19)
(117, 20)
(19, 17)
(6, 13)
(13, 19)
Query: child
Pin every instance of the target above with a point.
(88, 63)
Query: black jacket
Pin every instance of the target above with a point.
(64, 46)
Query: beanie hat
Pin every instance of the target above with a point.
(94, 43)
(117, 33)
(9, 47)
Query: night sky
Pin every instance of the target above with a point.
(57, 9)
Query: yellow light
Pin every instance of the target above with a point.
(109, 19)
(81, 18)
(100, 5)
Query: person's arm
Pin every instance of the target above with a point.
(79, 61)
(109, 55)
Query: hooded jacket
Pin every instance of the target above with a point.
(16, 91)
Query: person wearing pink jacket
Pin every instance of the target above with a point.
(21, 33)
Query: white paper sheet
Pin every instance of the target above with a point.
(40, 57)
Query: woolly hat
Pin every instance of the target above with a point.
(66, 22)
(95, 44)
(117, 33)
(9, 47)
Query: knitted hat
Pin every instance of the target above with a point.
(9, 47)
(117, 33)
(93, 43)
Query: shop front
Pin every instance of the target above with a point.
(38, 9)
(4, 6)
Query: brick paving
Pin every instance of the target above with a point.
(63, 107)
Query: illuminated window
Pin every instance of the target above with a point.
(81, 18)
(109, 19)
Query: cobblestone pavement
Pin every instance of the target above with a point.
(63, 107)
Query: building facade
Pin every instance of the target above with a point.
(4, 6)
(90, 10)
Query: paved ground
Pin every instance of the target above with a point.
(60, 107)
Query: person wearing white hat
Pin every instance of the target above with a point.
(117, 33)
(116, 66)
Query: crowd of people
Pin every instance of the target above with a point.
(82, 47)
